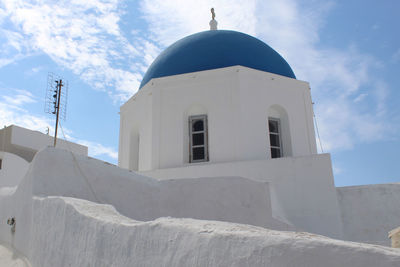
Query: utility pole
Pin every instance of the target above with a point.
(57, 97)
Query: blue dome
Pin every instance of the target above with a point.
(216, 49)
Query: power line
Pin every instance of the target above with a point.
(78, 166)
(316, 126)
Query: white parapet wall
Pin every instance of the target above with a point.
(13, 169)
(26, 143)
(302, 190)
(36, 141)
(56, 226)
(369, 212)
(74, 232)
(56, 172)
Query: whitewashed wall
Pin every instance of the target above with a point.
(55, 172)
(302, 188)
(71, 232)
(13, 169)
(75, 232)
(36, 141)
(61, 231)
(135, 134)
(25, 143)
(237, 101)
(369, 212)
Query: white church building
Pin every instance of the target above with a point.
(222, 103)
(217, 166)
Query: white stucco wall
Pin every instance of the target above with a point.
(237, 101)
(74, 232)
(13, 169)
(369, 212)
(62, 231)
(36, 141)
(136, 135)
(56, 172)
(25, 143)
(11, 258)
(302, 188)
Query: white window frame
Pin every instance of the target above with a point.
(279, 134)
(204, 131)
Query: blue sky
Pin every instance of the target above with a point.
(349, 51)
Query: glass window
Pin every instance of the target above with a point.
(198, 153)
(273, 126)
(198, 125)
(198, 138)
(275, 139)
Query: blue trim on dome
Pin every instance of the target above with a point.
(216, 49)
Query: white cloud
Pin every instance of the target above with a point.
(35, 70)
(336, 170)
(83, 36)
(19, 98)
(96, 149)
(360, 97)
(171, 20)
(12, 113)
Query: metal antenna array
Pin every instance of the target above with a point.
(56, 99)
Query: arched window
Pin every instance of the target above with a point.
(275, 137)
(280, 143)
(198, 138)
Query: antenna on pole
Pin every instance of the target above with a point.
(56, 99)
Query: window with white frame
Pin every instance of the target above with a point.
(275, 138)
(198, 138)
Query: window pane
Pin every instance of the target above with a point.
(198, 153)
(198, 139)
(198, 125)
(274, 140)
(273, 126)
(275, 153)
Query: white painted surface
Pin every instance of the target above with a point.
(302, 189)
(54, 172)
(369, 212)
(213, 25)
(25, 143)
(61, 231)
(13, 169)
(73, 232)
(237, 101)
(11, 258)
(36, 140)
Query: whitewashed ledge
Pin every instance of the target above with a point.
(75, 232)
